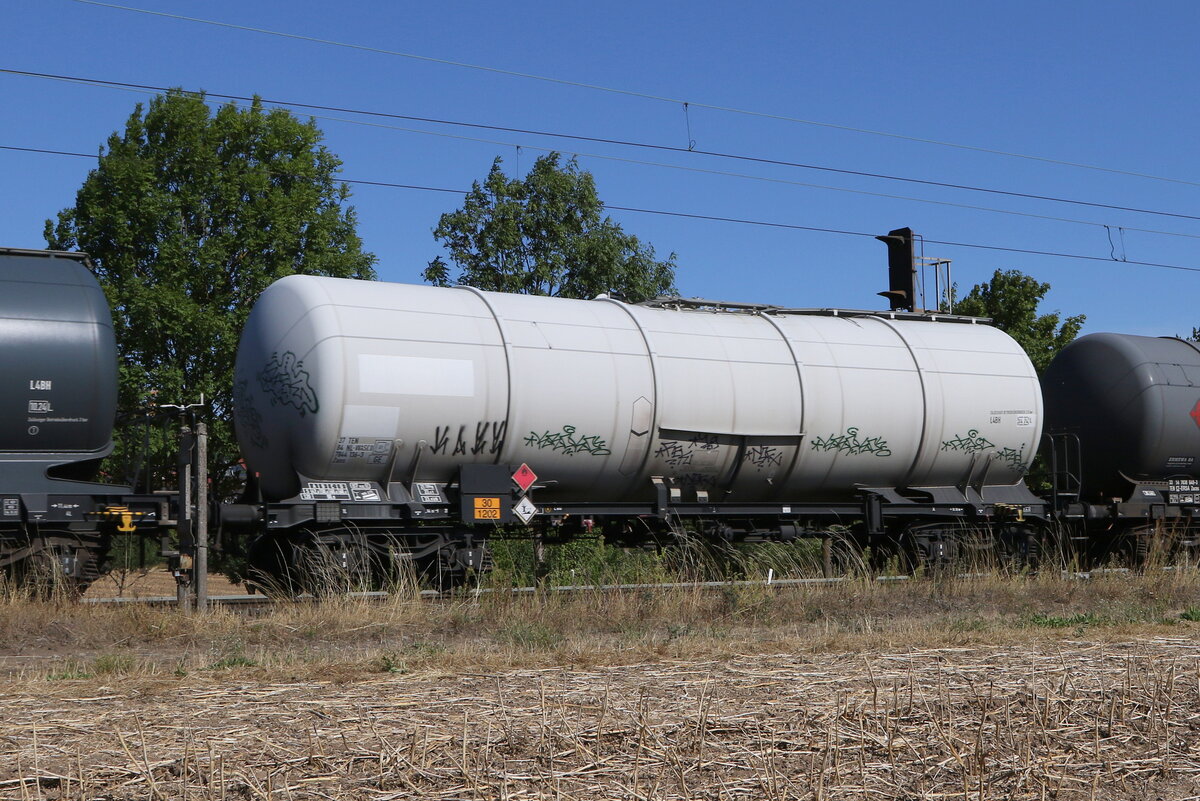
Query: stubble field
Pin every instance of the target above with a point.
(989, 688)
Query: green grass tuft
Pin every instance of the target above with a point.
(1064, 621)
(232, 661)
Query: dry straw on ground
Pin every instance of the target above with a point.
(1072, 720)
(989, 688)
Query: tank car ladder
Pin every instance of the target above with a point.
(1066, 459)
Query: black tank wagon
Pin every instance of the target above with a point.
(58, 398)
(1123, 442)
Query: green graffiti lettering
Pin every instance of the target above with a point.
(850, 444)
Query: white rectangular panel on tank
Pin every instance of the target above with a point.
(373, 421)
(415, 375)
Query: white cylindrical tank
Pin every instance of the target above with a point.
(341, 381)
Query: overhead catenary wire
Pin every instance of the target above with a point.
(643, 95)
(665, 148)
(977, 246)
(736, 220)
(143, 89)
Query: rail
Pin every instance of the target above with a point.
(254, 601)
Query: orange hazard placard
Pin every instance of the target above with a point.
(487, 508)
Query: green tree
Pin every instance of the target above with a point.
(545, 235)
(188, 216)
(1011, 299)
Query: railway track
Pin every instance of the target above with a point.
(256, 601)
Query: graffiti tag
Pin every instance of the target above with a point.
(248, 416)
(489, 436)
(763, 456)
(699, 449)
(695, 480)
(675, 453)
(850, 444)
(285, 380)
(971, 443)
(1013, 458)
(567, 442)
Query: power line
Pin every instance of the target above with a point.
(50, 152)
(745, 176)
(737, 220)
(642, 95)
(680, 167)
(623, 143)
(1002, 248)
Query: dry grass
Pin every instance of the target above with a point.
(39, 639)
(979, 688)
(151, 584)
(1069, 720)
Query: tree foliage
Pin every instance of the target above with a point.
(545, 235)
(1011, 299)
(188, 216)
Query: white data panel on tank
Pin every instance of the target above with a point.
(415, 375)
(379, 421)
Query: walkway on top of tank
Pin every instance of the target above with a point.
(700, 304)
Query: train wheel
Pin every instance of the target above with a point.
(329, 569)
(1151, 545)
(272, 568)
(393, 569)
(288, 565)
(1132, 548)
(1062, 545)
(930, 548)
(441, 570)
(43, 577)
(848, 555)
(59, 565)
(1019, 548)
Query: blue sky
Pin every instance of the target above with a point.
(1105, 84)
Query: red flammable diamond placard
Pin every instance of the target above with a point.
(1196, 413)
(524, 477)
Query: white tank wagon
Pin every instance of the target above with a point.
(340, 382)
(386, 419)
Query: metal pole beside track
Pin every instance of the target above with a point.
(200, 571)
(185, 530)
